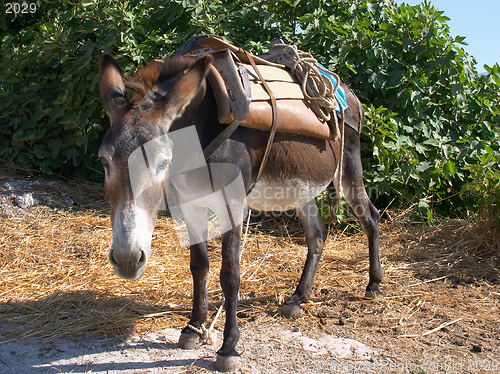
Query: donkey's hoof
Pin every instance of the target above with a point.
(374, 294)
(292, 311)
(227, 363)
(189, 341)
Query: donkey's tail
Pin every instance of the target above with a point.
(333, 203)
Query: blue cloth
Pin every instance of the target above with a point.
(339, 93)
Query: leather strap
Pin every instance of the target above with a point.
(361, 117)
(220, 139)
(352, 124)
(274, 123)
(210, 149)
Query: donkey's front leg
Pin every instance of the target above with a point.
(227, 357)
(196, 222)
(199, 266)
(316, 233)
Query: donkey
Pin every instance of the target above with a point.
(174, 95)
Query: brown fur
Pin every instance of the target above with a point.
(290, 153)
(157, 75)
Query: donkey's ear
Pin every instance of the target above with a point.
(174, 103)
(112, 88)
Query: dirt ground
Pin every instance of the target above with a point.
(62, 309)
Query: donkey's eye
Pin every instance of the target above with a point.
(162, 165)
(105, 164)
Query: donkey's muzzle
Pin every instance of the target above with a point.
(128, 264)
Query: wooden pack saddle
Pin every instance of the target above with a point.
(243, 85)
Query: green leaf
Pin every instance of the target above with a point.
(55, 146)
(433, 142)
(449, 167)
(40, 151)
(424, 166)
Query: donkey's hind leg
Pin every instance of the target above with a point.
(356, 196)
(316, 233)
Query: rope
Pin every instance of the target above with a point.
(274, 124)
(317, 88)
(206, 334)
(341, 161)
(203, 332)
(246, 232)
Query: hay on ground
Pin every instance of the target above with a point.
(55, 279)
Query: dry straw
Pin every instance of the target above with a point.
(55, 279)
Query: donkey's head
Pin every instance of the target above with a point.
(136, 151)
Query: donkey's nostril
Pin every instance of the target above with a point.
(112, 258)
(143, 258)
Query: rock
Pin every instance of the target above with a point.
(25, 200)
(477, 348)
(5, 186)
(66, 199)
(341, 321)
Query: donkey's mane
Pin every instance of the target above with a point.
(159, 76)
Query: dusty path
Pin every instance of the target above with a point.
(266, 349)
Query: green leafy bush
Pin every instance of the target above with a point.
(51, 115)
(428, 112)
(485, 182)
(430, 117)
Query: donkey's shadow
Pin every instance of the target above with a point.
(76, 332)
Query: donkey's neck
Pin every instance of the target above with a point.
(203, 116)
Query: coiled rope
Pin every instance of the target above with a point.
(317, 88)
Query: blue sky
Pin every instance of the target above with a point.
(478, 21)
